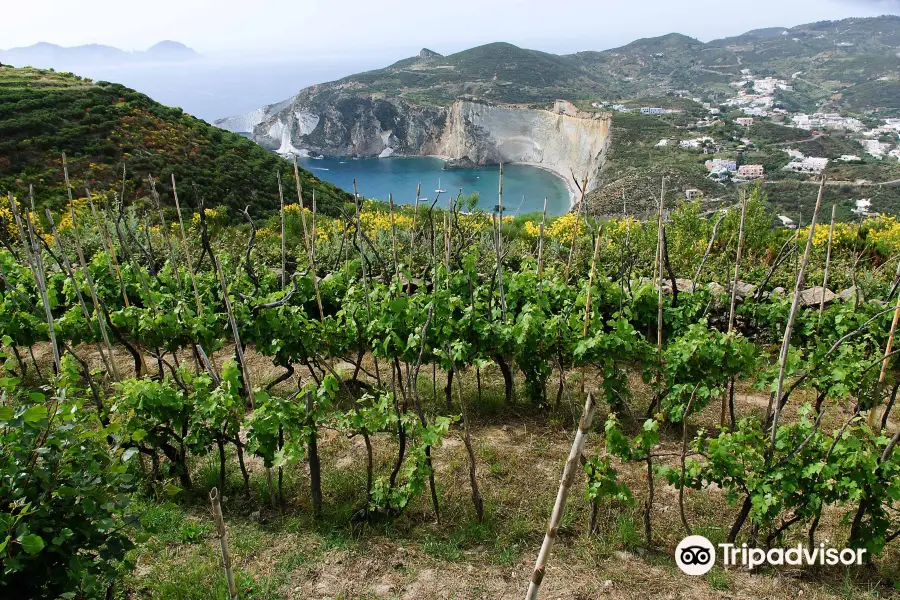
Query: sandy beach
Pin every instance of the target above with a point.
(566, 179)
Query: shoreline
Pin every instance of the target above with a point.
(569, 185)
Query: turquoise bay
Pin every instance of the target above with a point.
(524, 186)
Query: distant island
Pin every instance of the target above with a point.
(46, 55)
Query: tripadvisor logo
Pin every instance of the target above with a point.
(696, 555)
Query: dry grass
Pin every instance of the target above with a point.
(520, 453)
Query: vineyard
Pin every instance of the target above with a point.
(380, 403)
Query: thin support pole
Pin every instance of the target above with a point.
(222, 534)
(572, 467)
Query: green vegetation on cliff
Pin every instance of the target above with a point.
(833, 65)
(102, 125)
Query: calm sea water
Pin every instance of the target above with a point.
(524, 187)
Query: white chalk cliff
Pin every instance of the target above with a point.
(560, 138)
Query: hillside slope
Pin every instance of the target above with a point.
(850, 64)
(101, 126)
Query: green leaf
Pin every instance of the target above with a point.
(6, 413)
(35, 413)
(32, 543)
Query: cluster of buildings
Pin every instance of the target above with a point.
(766, 85)
(807, 164)
(871, 140)
(876, 148)
(826, 121)
(751, 171)
(756, 96)
(721, 165)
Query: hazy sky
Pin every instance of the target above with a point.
(291, 29)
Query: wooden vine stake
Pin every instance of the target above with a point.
(33, 253)
(684, 449)
(283, 253)
(884, 362)
(187, 250)
(477, 502)
(827, 265)
(238, 348)
(309, 242)
(98, 308)
(222, 534)
(412, 238)
(734, 284)
(498, 245)
(312, 454)
(572, 467)
(394, 237)
(112, 261)
(541, 251)
(658, 270)
(362, 267)
(789, 328)
(581, 209)
(712, 242)
(587, 304)
(108, 364)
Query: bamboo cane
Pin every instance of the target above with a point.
(394, 237)
(626, 271)
(299, 187)
(737, 263)
(283, 253)
(712, 241)
(541, 251)
(222, 534)
(238, 348)
(187, 250)
(498, 245)
(412, 237)
(581, 210)
(734, 283)
(789, 328)
(587, 304)
(658, 271)
(559, 507)
(887, 353)
(110, 364)
(105, 241)
(308, 241)
(34, 258)
(684, 447)
(165, 229)
(92, 289)
(477, 502)
(362, 264)
(108, 247)
(827, 264)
